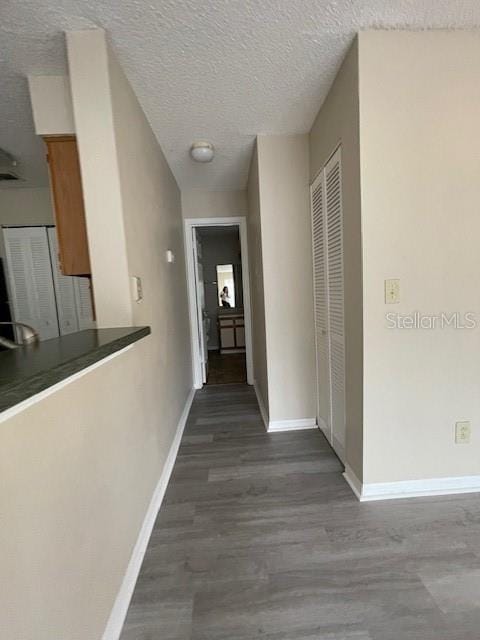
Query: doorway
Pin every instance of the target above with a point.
(219, 300)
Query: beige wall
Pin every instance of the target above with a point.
(254, 228)
(213, 204)
(338, 122)
(420, 126)
(79, 468)
(26, 206)
(283, 167)
(77, 472)
(97, 147)
(51, 105)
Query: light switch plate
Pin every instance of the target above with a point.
(392, 291)
(462, 432)
(137, 290)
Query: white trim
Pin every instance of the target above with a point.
(25, 404)
(322, 425)
(353, 481)
(292, 425)
(122, 601)
(411, 488)
(261, 405)
(281, 425)
(192, 309)
(241, 223)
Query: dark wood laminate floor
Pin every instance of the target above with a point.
(260, 537)
(226, 368)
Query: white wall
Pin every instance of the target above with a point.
(24, 207)
(97, 148)
(80, 467)
(286, 250)
(254, 229)
(419, 131)
(338, 122)
(51, 105)
(213, 204)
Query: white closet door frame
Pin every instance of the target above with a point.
(329, 257)
(200, 299)
(320, 304)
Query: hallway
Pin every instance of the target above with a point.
(228, 368)
(259, 536)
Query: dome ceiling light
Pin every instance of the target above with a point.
(202, 151)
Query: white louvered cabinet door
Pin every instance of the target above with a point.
(30, 279)
(317, 195)
(64, 289)
(83, 302)
(335, 288)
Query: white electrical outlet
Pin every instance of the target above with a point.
(392, 291)
(462, 432)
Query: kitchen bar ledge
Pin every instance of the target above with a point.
(28, 371)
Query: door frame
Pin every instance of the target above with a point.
(189, 225)
(328, 428)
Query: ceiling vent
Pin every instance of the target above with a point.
(8, 167)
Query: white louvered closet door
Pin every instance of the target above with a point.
(317, 195)
(30, 279)
(64, 290)
(83, 302)
(334, 220)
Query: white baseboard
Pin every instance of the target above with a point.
(411, 488)
(291, 425)
(323, 426)
(261, 405)
(281, 425)
(122, 601)
(353, 481)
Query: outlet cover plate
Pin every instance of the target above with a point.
(392, 291)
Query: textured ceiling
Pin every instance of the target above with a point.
(220, 70)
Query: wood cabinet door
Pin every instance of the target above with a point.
(67, 192)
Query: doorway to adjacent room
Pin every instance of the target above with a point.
(219, 300)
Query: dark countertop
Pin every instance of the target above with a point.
(28, 370)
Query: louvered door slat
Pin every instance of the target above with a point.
(320, 301)
(64, 289)
(83, 301)
(30, 279)
(335, 289)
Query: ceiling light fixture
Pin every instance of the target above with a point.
(202, 151)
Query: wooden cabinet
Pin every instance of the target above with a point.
(67, 195)
(232, 332)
